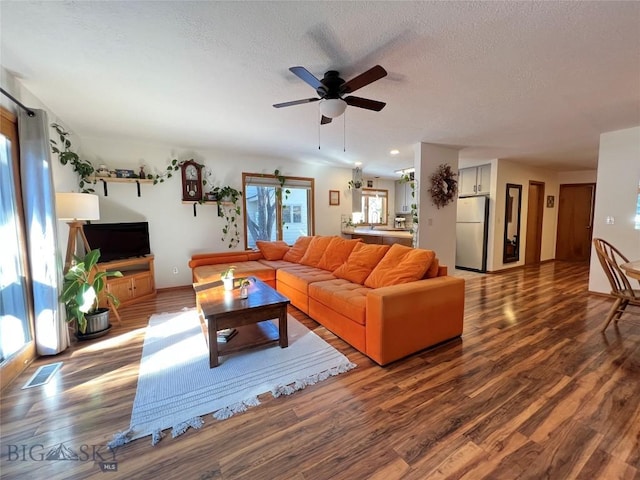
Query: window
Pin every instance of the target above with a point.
(374, 206)
(276, 214)
(291, 214)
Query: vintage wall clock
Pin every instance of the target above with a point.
(191, 181)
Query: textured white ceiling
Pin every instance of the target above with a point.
(529, 81)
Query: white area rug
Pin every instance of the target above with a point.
(176, 386)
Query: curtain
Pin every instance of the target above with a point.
(45, 262)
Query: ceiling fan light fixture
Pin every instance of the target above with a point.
(332, 107)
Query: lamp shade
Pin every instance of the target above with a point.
(77, 206)
(332, 107)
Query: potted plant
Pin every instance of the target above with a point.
(81, 288)
(245, 283)
(227, 277)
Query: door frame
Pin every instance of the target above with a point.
(535, 213)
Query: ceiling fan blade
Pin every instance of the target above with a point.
(306, 76)
(370, 76)
(364, 103)
(295, 102)
(324, 120)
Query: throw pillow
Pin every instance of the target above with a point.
(272, 250)
(298, 250)
(316, 249)
(361, 262)
(432, 272)
(337, 253)
(400, 265)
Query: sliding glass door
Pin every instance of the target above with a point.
(16, 338)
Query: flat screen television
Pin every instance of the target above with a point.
(118, 240)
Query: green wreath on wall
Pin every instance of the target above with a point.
(444, 185)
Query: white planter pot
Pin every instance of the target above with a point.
(228, 283)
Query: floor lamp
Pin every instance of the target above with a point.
(75, 209)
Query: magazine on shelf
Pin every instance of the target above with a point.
(227, 334)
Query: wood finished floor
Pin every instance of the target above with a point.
(532, 390)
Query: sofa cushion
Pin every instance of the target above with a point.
(361, 262)
(297, 251)
(211, 273)
(432, 272)
(276, 264)
(272, 250)
(350, 299)
(337, 253)
(204, 259)
(300, 276)
(316, 249)
(400, 265)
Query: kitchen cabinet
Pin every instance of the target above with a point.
(377, 237)
(474, 180)
(403, 197)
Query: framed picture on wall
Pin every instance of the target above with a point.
(550, 201)
(334, 197)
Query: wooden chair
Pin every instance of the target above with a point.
(611, 258)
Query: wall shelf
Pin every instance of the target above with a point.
(206, 202)
(106, 180)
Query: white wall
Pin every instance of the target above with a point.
(436, 226)
(175, 234)
(616, 196)
(580, 176)
(518, 174)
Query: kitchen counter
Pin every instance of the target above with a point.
(381, 236)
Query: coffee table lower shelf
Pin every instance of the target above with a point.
(249, 336)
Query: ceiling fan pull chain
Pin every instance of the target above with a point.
(319, 135)
(344, 132)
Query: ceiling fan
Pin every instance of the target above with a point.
(332, 88)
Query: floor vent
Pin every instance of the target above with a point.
(42, 375)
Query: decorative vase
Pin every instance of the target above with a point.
(244, 291)
(228, 283)
(102, 171)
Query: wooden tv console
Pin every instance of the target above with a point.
(137, 281)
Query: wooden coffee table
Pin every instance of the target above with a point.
(222, 309)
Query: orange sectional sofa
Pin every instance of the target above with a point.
(386, 301)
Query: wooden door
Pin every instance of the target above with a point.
(535, 212)
(575, 222)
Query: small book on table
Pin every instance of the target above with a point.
(227, 334)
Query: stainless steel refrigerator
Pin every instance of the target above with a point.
(472, 223)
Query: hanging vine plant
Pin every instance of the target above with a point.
(406, 178)
(444, 185)
(227, 199)
(84, 168)
(279, 191)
